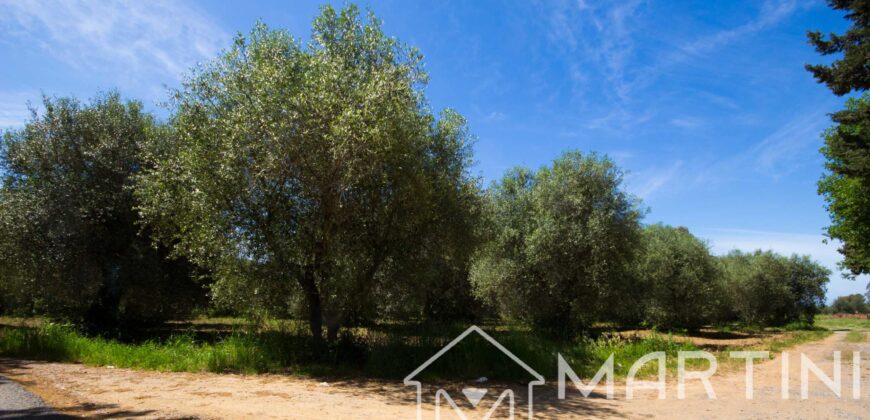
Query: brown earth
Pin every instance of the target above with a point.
(105, 392)
(710, 339)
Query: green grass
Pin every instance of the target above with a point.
(856, 337)
(795, 338)
(588, 356)
(372, 352)
(832, 323)
(386, 351)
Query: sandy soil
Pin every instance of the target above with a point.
(710, 339)
(106, 392)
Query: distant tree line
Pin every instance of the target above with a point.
(312, 180)
(849, 304)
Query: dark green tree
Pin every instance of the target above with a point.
(315, 175)
(846, 184)
(849, 73)
(70, 239)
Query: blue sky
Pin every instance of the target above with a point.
(706, 105)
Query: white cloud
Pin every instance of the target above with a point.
(126, 38)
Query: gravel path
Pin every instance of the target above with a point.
(17, 403)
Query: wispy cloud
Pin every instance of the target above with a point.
(602, 34)
(612, 65)
(650, 182)
(686, 122)
(618, 119)
(719, 100)
(783, 151)
(494, 116)
(129, 38)
(772, 12)
(778, 154)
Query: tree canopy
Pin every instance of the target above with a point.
(850, 72)
(846, 183)
(314, 173)
(765, 288)
(679, 276)
(561, 243)
(70, 242)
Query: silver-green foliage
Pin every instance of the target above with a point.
(563, 239)
(313, 174)
(679, 276)
(766, 288)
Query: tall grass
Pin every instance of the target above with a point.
(373, 352)
(387, 351)
(588, 356)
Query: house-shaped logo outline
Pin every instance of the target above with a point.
(409, 380)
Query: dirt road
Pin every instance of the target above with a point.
(94, 391)
(767, 399)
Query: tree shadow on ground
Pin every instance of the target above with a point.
(546, 404)
(33, 413)
(91, 411)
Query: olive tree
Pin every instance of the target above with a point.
(679, 277)
(850, 304)
(562, 240)
(312, 174)
(770, 289)
(70, 238)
